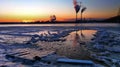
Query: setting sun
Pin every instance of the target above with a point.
(27, 21)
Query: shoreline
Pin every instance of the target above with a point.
(56, 23)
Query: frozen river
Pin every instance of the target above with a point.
(65, 39)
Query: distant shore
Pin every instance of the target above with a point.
(54, 22)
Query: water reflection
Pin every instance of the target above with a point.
(88, 34)
(76, 39)
(72, 47)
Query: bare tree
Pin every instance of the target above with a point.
(77, 7)
(82, 10)
(53, 18)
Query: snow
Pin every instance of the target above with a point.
(75, 61)
(107, 43)
(52, 38)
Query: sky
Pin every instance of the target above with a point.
(40, 10)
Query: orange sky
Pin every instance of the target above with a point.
(40, 10)
(60, 17)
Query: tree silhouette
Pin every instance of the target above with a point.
(82, 10)
(76, 7)
(53, 18)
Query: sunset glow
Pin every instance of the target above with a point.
(40, 10)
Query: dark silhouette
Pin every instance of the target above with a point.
(115, 19)
(53, 18)
(77, 7)
(119, 12)
(82, 10)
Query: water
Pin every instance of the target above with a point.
(23, 32)
(71, 24)
(13, 34)
(72, 47)
(108, 26)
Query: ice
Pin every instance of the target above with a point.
(107, 43)
(48, 36)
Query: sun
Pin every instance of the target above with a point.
(27, 21)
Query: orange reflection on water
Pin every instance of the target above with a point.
(72, 47)
(81, 35)
(76, 39)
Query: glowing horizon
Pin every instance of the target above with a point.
(40, 10)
